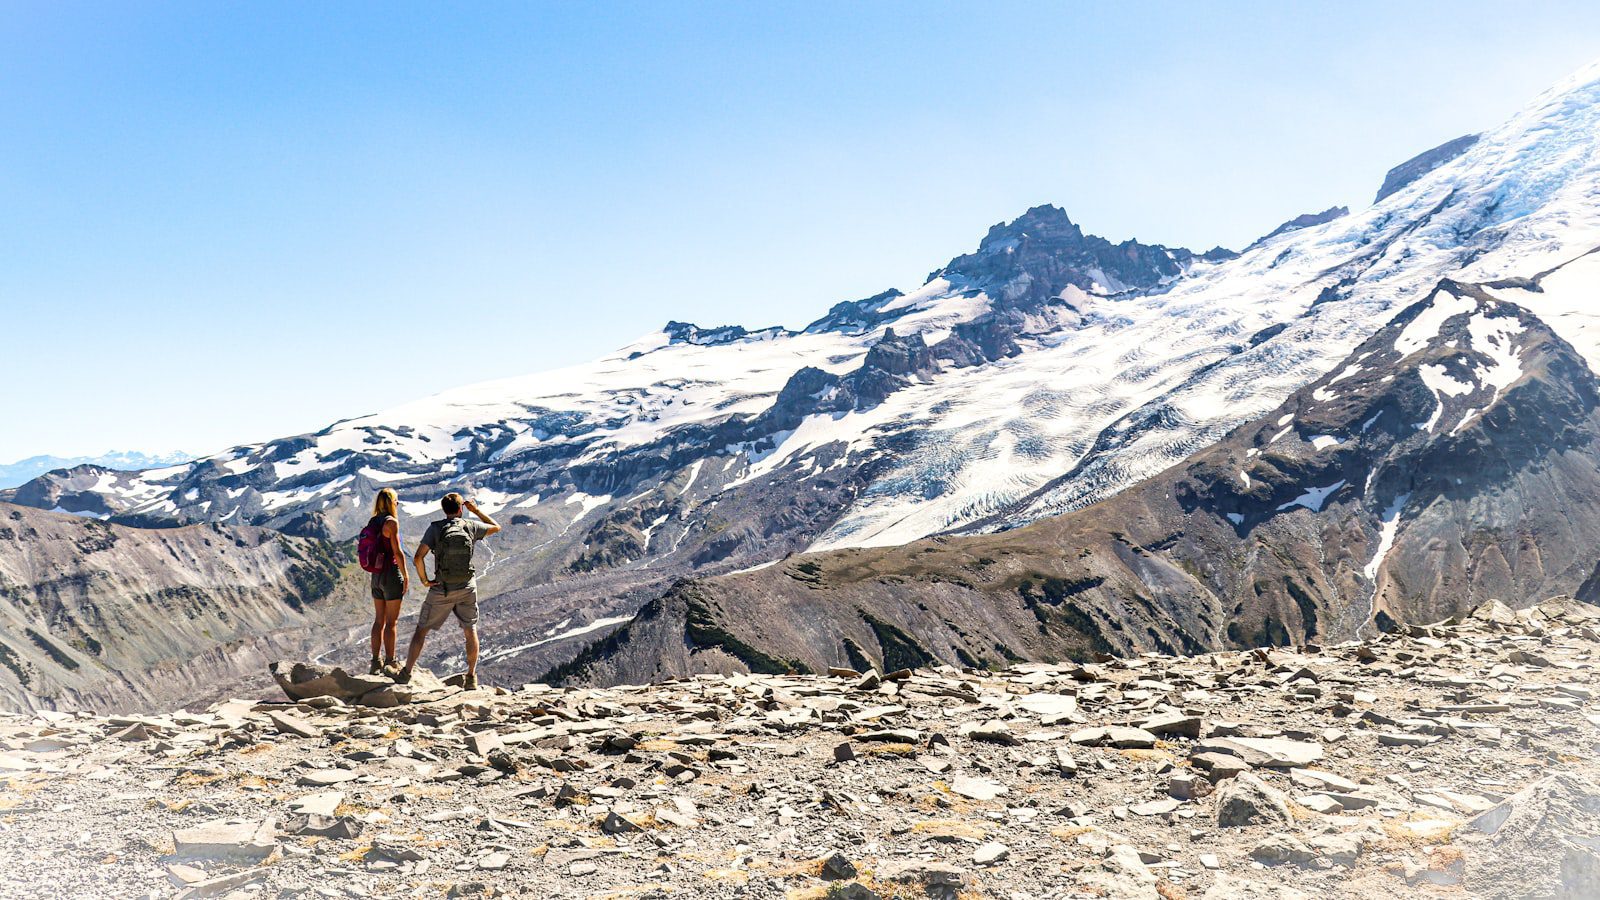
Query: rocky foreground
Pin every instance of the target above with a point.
(1452, 760)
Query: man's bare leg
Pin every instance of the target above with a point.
(412, 652)
(471, 634)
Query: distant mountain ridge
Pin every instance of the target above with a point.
(1450, 460)
(25, 470)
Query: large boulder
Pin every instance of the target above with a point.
(1539, 842)
(302, 681)
(1247, 800)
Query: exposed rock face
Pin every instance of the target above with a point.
(1019, 781)
(1305, 220)
(101, 615)
(1417, 166)
(1028, 262)
(1449, 461)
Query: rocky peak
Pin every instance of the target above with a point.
(689, 333)
(1031, 260)
(857, 316)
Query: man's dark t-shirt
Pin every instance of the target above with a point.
(430, 538)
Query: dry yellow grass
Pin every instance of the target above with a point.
(356, 855)
(890, 750)
(727, 876)
(951, 828)
(1397, 831)
(658, 745)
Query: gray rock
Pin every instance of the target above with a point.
(302, 680)
(1175, 724)
(1187, 786)
(227, 839)
(1125, 738)
(990, 853)
(837, 867)
(484, 742)
(977, 788)
(325, 777)
(1155, 807)
(1246, 800)
(1282, 848)
(1264, 752)
(1219, 766)
(924, 873)
(289, 724)
(339, 827)
(1339, 849)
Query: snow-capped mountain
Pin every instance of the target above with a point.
(1449, 460)
(25, 470)
(1047, 370)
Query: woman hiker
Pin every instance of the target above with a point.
(389, 578)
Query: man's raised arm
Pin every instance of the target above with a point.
(494, 527)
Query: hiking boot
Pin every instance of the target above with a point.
(377, 667)
(469, 682)
(391, 667)
(403, 676)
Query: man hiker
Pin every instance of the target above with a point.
(453, 588)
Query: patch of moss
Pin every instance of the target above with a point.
(1308, 606)
(1075, 618)
(10, 660)
(1056, 591)
(855, 656)
(704, 633)
(55, 653)
(900, 651)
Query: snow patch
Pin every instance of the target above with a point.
(1313, 498)
(1389, 526)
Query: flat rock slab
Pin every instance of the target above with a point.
(227, 839)
(977, 788)
(1271, 753)
(1047, 704)
(288, 724)
(325, 777)
(325, 803)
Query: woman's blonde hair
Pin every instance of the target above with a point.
(387, 503)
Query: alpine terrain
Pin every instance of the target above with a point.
(1057, 445)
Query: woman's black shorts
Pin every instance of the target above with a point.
(386, 585)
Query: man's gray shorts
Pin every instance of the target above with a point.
(440, 603)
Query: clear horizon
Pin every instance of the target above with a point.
(221, 221)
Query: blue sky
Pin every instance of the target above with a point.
(223, 223)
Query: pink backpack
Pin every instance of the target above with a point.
(372, 549)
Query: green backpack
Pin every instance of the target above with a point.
(453, 554)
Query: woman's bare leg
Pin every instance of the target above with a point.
(378, 613)
(391, 615)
